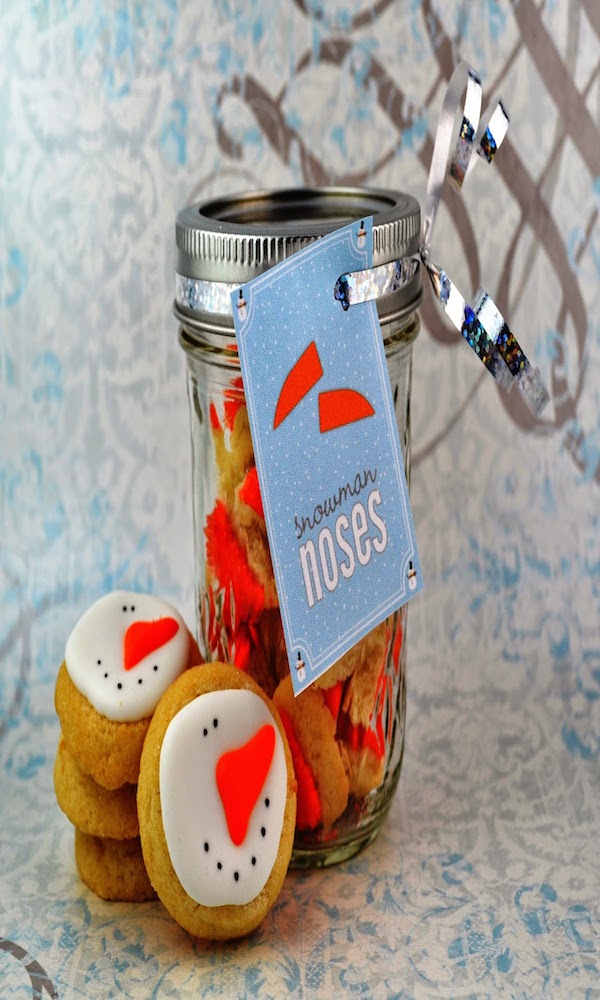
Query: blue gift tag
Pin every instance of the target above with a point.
(327, 451)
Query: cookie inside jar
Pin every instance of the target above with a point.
(346, 730)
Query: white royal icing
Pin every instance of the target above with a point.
(193, 816)
(94, 656)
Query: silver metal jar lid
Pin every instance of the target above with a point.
(228, 241)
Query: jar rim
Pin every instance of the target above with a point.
(302, 211)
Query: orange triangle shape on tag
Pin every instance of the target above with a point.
(143, 638)
(241, 775)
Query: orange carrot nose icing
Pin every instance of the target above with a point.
(143, 638)
(240, 775)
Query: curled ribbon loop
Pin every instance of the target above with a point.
(482, 325)
(373, 282)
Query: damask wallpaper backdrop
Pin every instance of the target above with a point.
(112, 116)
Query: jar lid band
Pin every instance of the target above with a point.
(198, 295)
(237, 237)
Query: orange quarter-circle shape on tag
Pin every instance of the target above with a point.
(241, 775)
(339, 407)
(143, 638)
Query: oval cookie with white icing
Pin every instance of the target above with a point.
(216, 802)
(121, 656)
(125, 651)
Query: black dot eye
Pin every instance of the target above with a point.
(155, 667)
(215, 723)
(263, 832)
(205, 731)
(140, 681)
(236, 876)
(253, 861)
(119, 685)
(267, 803)
(219, 865)
(106, 675)
(99, 662)
(133, 607)
(124, 607)
(206, 846)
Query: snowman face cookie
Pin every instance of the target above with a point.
(125, 651)
(223, 788)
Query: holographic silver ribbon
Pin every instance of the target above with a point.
(203, 296)
(198, 295)
(482, 325)
(373, 282)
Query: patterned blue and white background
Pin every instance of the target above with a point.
(113, 114)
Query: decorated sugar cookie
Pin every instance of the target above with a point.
(121, 656)
(125, 651)
(216, 802)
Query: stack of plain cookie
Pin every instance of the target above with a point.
(121, 657)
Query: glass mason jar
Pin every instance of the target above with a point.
(346, 731)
